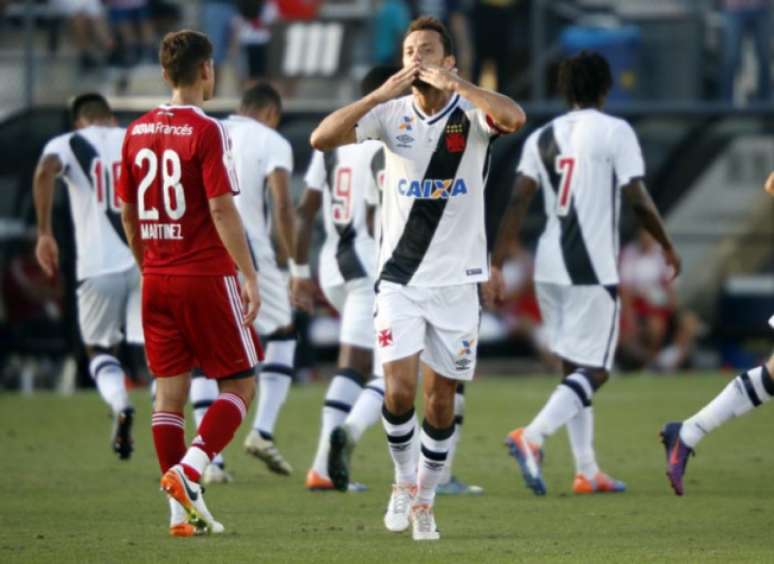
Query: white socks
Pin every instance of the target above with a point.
(580, 430)
(569, 398)
(109, 377)
(343, 391)
(203, 392)
(459, 417)
(748, 390)
(367, 409)
(402, 440)
(432, 460)
(274, 383)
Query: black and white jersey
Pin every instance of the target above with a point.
(581, 160)
(432, 214)
(91, 161)
(347, 178)
(257, 151)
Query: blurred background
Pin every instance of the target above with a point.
(692, 76)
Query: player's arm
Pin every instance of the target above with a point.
(229, 226)
(523, 191)
(282, 208)
(507, 115)
(769, 186)
(44, 181)
(302, 288)
(338, 128)
(650, 219)
(132, 231)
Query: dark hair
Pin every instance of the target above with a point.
(181, 53)
(429, 23)
(260, 96)
(91, 106)
(585, 78)
(376, 77)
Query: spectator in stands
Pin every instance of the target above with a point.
(90, 30)
(493, 24)
(655, 333)
(454, 14)
(746, 17)
(390, 21)
(219, 20)
(256, 19)
(305, 10)
(131, 20)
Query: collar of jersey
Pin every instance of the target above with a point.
(432, 119)
(197, 109)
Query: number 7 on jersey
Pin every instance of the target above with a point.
(565, 166)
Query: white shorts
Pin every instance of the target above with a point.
(109, 308)
(354, 300)
(582, 322)
(275, 312)
(441, 322)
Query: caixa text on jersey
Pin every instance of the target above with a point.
(432, 189)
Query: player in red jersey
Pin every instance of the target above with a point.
(185, 233)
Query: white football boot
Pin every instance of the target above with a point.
(265, 450)
(190, 496)
(216, 474)
(423, 523)
(396, 519)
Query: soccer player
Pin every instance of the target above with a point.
(263, 158)
(88, 161)
(433, 248)
(748, 390)
(344, 183)
(177, 185)
(583, 161)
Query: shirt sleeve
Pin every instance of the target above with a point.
(58, 147)
(484, 123)
(125, 187)
(315, 174)
(280, 155)
(370, 125)
(529, 165)
(214, 151)
(627, 155)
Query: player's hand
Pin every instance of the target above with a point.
(302, 292)
(674, 261)
(769, 186)
(397, 84)
(493, 290)
(251, 300)
(439, 77)
(47, 253)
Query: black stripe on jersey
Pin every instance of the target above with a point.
(347, 260)
(425, 215)
(86, 154)
(574, 252)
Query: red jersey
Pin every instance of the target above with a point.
(174, 159)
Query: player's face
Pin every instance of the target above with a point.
(426, 48)
(208, 79)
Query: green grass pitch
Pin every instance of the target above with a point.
(64, 497)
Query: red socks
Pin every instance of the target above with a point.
(168, 438)
(220, 423)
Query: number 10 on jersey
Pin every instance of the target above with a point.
(565, 167)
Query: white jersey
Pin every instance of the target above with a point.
(581, 160)
(258, 151)
(91, 162)
(347, 178)
(432, 216)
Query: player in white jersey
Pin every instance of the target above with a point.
(747, 391)
(583, 161)
(88, 161)
(263, 161)
(433, 248)
(343, 182)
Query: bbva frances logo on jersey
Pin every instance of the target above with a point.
(432, 188)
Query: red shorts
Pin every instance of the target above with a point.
(193, 321)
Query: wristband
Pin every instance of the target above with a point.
(299, 270)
